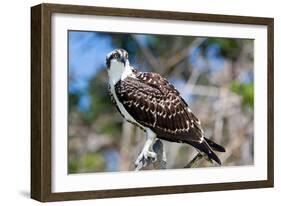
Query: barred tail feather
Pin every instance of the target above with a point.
(205, 147)
(214, 146)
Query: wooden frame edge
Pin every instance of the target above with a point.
(157, 14)
(84, 195)
(36, 139)
(270, 102)
(41, 102)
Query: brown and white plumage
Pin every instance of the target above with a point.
(152, 103)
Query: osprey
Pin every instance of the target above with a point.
(149, 101)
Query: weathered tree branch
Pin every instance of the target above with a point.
(161, 161)
(195, 161)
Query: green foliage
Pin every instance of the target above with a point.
(229, 48)
(93, 162)
(73, 100)
(246, 91)
(111, 128)
(73, 165)
(100, 100)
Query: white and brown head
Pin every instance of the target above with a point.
(117, 56)
(118, 66)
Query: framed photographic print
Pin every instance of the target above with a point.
(132, 102)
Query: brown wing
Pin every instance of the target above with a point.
(156, 104)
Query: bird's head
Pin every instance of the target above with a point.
(118, 66)
(117, 58)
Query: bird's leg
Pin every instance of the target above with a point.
(159, 148)
(146, 153)
(164, 158)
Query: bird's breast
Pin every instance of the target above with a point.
(121, 108)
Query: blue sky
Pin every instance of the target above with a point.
(87, 51)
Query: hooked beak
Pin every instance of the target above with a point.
(123, 60)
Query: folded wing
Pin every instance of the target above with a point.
(154, 103)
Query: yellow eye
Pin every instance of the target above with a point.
(115, 55)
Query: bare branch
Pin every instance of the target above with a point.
(195, 161)
(154, 63)
(175, 59)
(127, 135)
(201, 90)
(161, 161)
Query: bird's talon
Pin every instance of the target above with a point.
(145, 157)
(154, 159)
